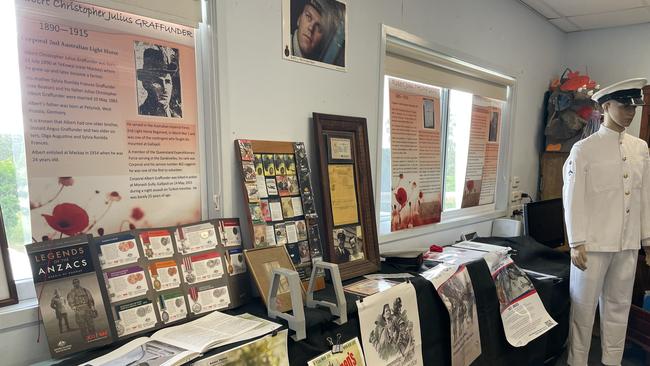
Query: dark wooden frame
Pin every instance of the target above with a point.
(4, 251)
(326, 124)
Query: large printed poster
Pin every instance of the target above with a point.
(455, 289)
(483, 154)
(390, 327)
(523, 314)
(110, 117)
(416, 183)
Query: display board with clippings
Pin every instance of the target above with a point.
(156, 277)
(276, 184)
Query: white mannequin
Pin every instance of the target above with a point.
(618, 117)
(606, 197)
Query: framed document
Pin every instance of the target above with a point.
(349, 212)
(8, 294)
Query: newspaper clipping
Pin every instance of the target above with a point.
(455, 289)
(390, 327)
(522, 311)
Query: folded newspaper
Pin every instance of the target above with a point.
(180, 344)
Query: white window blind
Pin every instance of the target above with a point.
(414, 63)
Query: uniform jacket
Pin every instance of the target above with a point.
(606, 192)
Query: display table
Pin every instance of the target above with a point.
(434, 318)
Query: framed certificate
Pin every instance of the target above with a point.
(349, 212)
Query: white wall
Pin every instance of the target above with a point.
(266, 97)
(611, 55)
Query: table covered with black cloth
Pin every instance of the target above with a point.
(434, 318)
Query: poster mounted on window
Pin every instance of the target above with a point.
(349, 211)
(8, 294)
(416, 177)
(483, 152)
(315, 32)
(110, 118)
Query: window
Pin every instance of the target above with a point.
(443, 155)
(14, 199)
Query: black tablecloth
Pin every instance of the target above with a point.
(434, 318)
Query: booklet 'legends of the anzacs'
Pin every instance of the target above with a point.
(70, 300)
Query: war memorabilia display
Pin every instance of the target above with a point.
(278, 193)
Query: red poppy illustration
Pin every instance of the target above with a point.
(67, 218)
(400, 196)
(66, 181)
(137, 213)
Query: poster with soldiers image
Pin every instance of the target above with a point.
(390, 327)
(523, 314)
(70, 300)
(454, 286)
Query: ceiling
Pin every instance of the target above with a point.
(579, 15)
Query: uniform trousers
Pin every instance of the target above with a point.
(608, 280)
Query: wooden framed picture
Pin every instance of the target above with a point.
(8, 293)
(261, 263)
(349, 211)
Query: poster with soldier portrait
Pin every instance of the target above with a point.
(390, 327)
(71, 303)
(455, 289)
(523, 314)
(315, 32)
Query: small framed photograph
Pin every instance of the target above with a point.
(261, 263)
(340, 148)
(323, 45)
(428, 114)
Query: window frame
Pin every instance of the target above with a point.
(466, 65)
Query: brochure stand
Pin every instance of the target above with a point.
(339, 308)
(297, 320)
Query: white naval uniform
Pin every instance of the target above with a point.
(607, 208)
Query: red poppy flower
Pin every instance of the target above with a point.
(137, 213)
(401, 196)
(470, 185)
(66, 181)
(113, 196)
(67, 218)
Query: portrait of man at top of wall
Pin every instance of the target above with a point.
(316, 31)
(158, 80)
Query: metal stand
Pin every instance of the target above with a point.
(297, 320)
(340, 308)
